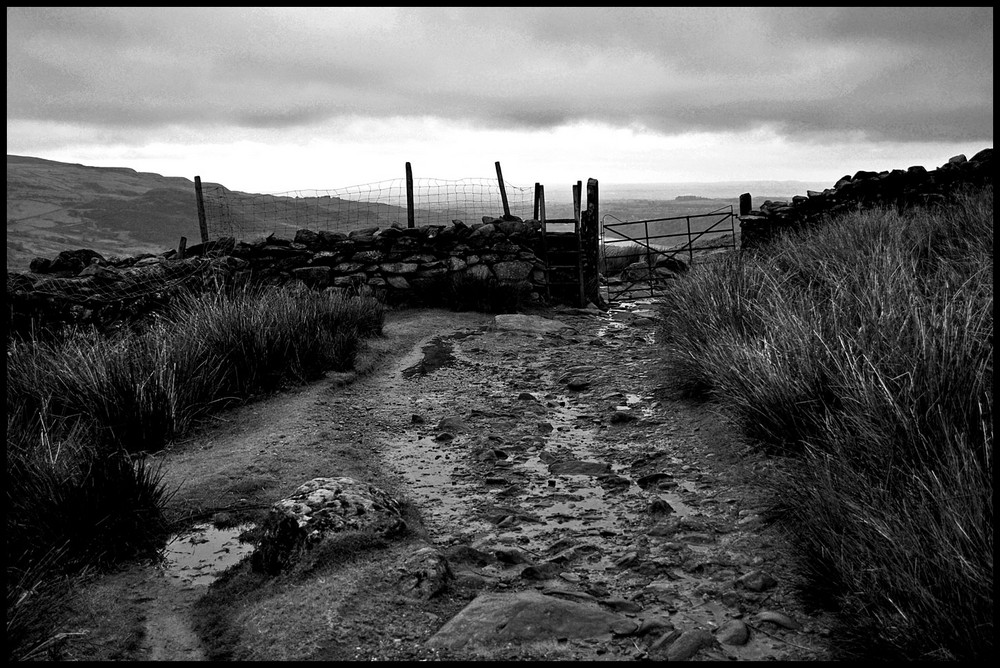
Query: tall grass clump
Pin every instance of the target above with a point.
(71, 507)
(138, 390)
(82, 405)
(863, 351)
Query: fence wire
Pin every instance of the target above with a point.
(246, 217)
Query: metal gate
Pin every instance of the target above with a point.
(637, 263)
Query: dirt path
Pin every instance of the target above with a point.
(537, 461)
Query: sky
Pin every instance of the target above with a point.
(278, 99)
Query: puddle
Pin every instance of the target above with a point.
(198, 556)
(438, 353)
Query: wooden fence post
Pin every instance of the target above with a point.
(541, 204)
(503, 191)
(590, 239)
(577, 218)
(538, 192)
(202, 222)
(182, 248)
(409, 196)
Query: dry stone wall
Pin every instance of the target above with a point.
(406, 265)
(897, 188)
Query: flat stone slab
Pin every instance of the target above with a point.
(493, 620)
(528, 323)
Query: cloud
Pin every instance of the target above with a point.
(894, 74)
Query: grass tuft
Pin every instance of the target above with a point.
(83, 408)
(864, 351)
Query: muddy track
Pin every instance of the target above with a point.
(554, 456)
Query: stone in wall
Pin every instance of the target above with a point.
(897, 188)
(512, 271)
(403, 263)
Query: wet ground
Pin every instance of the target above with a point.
(559, 454)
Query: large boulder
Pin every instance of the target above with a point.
(319, 509)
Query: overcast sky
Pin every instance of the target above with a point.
(278, 99)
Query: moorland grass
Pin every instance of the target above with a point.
(861, 354)
(80, 407)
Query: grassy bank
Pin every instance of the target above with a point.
(83, 407)
(861, 356)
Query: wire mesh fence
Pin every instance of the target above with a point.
(249, 217)
(245, 216)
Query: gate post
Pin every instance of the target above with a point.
(409, 196)
(590, 242)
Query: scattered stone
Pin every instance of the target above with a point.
(511, 556)
(545, 571)
(453, 424)
(629, 560)
(621, 604)
(733, 632)
(625, 627)
(654, 624)
(653, 479)
(731, 599)
(689, 643)
(467, 554)
(619, 417)
(757, 581)
(424, 574)
(615, 483)
(663, 591)
(659, 507)
(660, 644)
(777, 618)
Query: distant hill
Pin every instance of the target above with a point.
(55, 206)
(116, 211)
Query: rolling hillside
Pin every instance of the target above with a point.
(55, 206)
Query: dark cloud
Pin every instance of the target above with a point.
(901, 74)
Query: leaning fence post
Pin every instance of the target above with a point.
(503, 191)
(202, 223)
(409, 195)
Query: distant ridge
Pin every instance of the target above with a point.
(55, 206)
